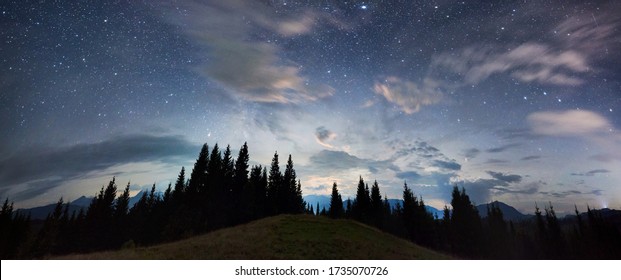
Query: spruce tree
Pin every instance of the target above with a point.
(240, 177)
(198, 178)
(377, 206)
(122, 204)
(466, 224)
(336, 203)
(362, 203)
(273, 186)
(180, 187)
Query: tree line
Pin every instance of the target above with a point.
(219, 192)
(463, 233)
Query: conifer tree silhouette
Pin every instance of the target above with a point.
(336, 203)
(377, 206)
(465, 224)
(274, 184)
(361, 207)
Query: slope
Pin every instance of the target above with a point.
(282, 237)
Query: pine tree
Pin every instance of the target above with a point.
(122, 204)
(377, 206)
(240, 182)
(362, 203)
(287, 192)
(99, 218)
(299, 199)
(180, 187)
(216, 194)
(250, 201)
(466, 224)
(336, 203)
(273, 186)
(198, 178)
(228, 170)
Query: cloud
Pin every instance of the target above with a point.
(450, 165)
(339, 160)
(408, 175)
(530, 158)
(482, 190)
(316, 189)
(323, 136)
(568, 123)
(472, 153)
(43, 169)
(509, 178)
(407, 95)
(529, 189)
(250, 69)
(496, 161)
(591, 173)
(604, 157)
(502, 148)
(32, 189)
(478, 190)
(583, 124)
(564, 194)
(528, 62)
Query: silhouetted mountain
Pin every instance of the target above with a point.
(508, 212)
(41, 212)
(313, 199)
(324, 201)
(611, 215)
(432, 210)
(82, 201)
(134, 199)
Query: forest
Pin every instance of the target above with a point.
(222, 192)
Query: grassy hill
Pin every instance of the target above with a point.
(282, 237)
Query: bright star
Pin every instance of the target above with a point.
(364, 7)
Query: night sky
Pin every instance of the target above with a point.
(518, 101)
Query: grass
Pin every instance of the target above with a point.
(281, 237)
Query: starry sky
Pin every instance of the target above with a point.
(517, 101)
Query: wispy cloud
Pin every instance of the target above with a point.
(323, 136)
(584, 124)
(496, 161)
(408, 176)
(591, 172)
(339, 160)
(502, 148)
(529, 62)
(448, 165)
(509, 178)
(251, 69)
(472, 153)
(47, 168)
(563, 194)
(568, 123)
(410, 97)
(530, 158)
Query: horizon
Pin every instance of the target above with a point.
(515, 102)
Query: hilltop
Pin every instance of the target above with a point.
(282, 237)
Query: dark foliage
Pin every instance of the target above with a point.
(222, 192)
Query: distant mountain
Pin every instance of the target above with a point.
(324, 201)
(432, 210)
(41, 212)
(82, 203)
(611, 215)
(508, 212)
